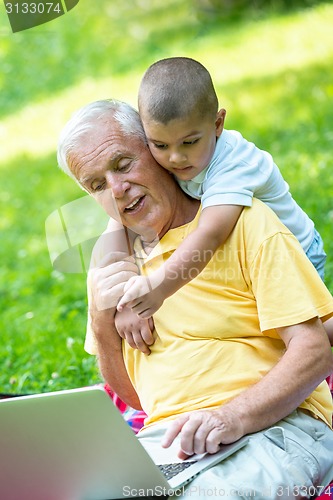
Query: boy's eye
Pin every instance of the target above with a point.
(189, 143)
(160, 146)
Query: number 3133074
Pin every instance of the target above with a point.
(33, 8)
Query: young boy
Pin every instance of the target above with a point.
(185, 132)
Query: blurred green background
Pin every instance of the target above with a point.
(271, 62)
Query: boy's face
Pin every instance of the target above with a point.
(184, 146)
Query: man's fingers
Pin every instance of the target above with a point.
(107, 284)
(104, 300)
(126, 270)
(192, 434)
(213, 441)
(118, 267)
(173, 430)
(198, 435)
(105, 277)
(196, 432)
(113, 280)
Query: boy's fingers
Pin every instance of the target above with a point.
(120, 306)
(123, 302)
(146, 314)
(140, 344)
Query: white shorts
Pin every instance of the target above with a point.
(293, 459)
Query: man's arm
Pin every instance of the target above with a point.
(110, 357)
(307, 361)
(105, 286)
(328, 325)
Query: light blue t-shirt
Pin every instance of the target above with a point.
(240, 171)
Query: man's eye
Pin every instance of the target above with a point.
(97, 186)
(124, 164)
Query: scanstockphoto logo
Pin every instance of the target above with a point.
(24, 15)
(71, 233)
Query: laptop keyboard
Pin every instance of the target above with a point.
(171, 470)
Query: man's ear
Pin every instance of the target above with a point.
(219, 121)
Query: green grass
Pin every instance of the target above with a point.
(272, 71)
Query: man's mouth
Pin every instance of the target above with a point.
(134, 204)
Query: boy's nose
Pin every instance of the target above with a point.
(177, 157)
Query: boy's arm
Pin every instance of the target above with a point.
(189, 259)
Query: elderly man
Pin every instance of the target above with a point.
(239, 350)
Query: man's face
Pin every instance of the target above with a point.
(121, 174)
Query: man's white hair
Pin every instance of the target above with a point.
(87, 117)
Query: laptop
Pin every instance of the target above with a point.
(76, 445)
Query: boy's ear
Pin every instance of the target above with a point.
(219, 121)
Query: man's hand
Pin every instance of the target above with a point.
(143, 296)
(203, 431)
(136, 331)
(108, 278)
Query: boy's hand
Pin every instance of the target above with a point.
(137, 332)
(135, 288)
(143, 296)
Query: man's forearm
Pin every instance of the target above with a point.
(105, 285)
(306, 362)
(110, 357)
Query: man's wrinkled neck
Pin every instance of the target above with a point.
(183, 212)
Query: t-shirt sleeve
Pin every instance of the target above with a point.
(237, 172)
(99, 250)
(233, 184)
(287, 287)
(90, 342)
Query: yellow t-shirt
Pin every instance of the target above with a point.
(216, 336)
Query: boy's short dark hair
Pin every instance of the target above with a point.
(176, 87)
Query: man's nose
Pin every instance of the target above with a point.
(177, 157)
(117, 183)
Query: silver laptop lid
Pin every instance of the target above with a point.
(70, 445)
